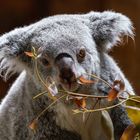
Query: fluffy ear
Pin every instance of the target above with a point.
(12, 48)
(108, 28)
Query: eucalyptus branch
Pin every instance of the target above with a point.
(81, 102)
(39, 94)
(91, 112)
(82, 95)
(135, 100)
(38, 75)
(40, 114)
(101, 109)
(132, 107)
(45, 84)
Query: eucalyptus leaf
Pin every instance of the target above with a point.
(107, 125)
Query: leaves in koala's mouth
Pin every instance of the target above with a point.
(82, 80)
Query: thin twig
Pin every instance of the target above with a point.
(82, 95)
(101, 109)
(132, 107)
(135, 100)
(92, 108)
(39, 94)
(45, 84)
(40, 114)
(38, 75)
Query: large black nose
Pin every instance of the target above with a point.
(67, 75)
(66, 68)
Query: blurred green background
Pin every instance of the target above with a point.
(15, 13)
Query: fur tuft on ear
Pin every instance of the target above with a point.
(109, 27)
(12, 47)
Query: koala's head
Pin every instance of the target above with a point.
(68, 46)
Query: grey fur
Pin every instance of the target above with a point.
(97, 33)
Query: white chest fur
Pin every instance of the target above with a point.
(89, 128)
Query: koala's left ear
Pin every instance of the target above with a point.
(12, 48)
(108, 28)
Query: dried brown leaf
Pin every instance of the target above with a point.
(129, 133)
(30, 54)
(118, 86)
(33, 124)
(80, 102)
(82, 80)
(112, 95)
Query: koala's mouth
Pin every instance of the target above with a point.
(69, 86)
(68, 81)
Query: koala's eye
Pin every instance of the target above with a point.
(44, 61)
(81, 54)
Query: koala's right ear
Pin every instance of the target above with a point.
(12, 48)
(108, 28)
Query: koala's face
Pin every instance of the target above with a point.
(67, 51)
(69, 46)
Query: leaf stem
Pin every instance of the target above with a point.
(132, 107)
(45, 84)
(40, 114)
(105, 108)
(38, 75)
(90, 112)
(82, 95)
(39, 94)
(135, 100)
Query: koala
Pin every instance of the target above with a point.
(68, 46)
